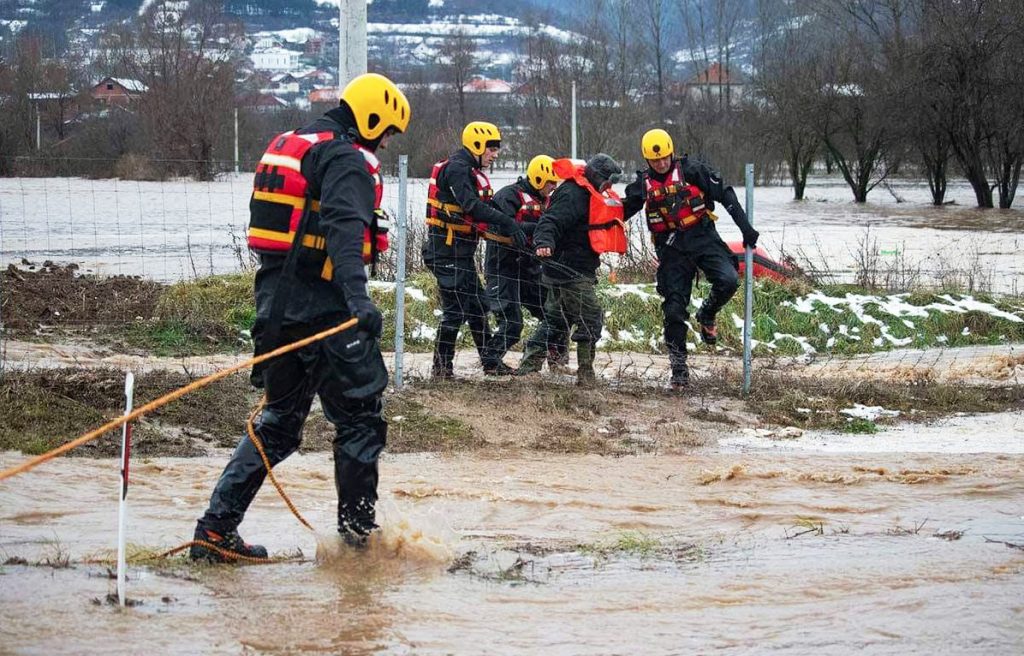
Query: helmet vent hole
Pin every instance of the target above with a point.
(372, 121)
(657, 148)
(387, 97)
(403, 113)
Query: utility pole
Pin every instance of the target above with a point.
(574, 119)
(351, 40)
(236, 140)
(39, 130)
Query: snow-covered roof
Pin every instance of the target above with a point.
(134, 86)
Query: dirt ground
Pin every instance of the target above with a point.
(45, 296)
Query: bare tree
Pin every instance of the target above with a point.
(785, 84)
(973, 51)
(187, 59)
(457, 58)
(654, 19)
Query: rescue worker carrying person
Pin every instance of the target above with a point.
(584, 219)
(513, 275)
(678, 196)
(460, 210)
(312, 225)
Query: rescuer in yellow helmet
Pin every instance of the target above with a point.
(678, 195)
(461, 211)
(312, 223)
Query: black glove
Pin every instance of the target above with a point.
(519, 239)
(370, 319)
(750, 238)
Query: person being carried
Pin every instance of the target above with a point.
(312, 224)
(583, 220)
(513, 276)
(678, 197)
(460, 210)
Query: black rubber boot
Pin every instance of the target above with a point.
(499, 369)
(708, 329)
(228, 541)
(680, 376)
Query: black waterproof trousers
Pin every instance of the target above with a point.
(463, 300)
(680, 255)
(349, 375)
(513, 283)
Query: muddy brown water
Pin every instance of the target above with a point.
(736, 552)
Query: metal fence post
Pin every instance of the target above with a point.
(403, 184)
(748, 285)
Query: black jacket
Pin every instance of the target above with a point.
(564, 227)
(508, 201)
(457, 184)
(696, 173)
(337, 175)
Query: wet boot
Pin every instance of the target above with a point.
(533, 360)
(498, 368)
(708, 329)
(230, 547)
(680, 376)
(442, 368)
(680, 370)
(585, 376)
(356, 449)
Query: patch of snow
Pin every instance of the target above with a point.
(616, 291)
(799, 339)
(416, 294)
(869, 412)
(423, 331)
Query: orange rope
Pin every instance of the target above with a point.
(266, 463)
(172, 396)
(231, 555)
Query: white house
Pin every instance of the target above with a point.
(275, 59)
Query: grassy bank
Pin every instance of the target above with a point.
(215, 314)
(40, 410)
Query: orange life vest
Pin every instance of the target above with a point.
(662, 196)
(529, 210)
(450, 216)
(607, 227)
(280, 193)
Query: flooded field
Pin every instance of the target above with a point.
(177, 229)
(738, 548)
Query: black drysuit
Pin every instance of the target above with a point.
(513, 275)
(450, 257)
(681, 253)
(345, 370)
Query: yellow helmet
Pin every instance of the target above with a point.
(540, 171)
(378, 104)
(476, 135)
(656, 144)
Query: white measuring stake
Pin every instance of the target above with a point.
(122, 508)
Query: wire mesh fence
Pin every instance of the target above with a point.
(157, 274)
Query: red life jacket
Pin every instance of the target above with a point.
(607, 227)
(375, 237)
(662, 196)
(450, 216)
(280, 193)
